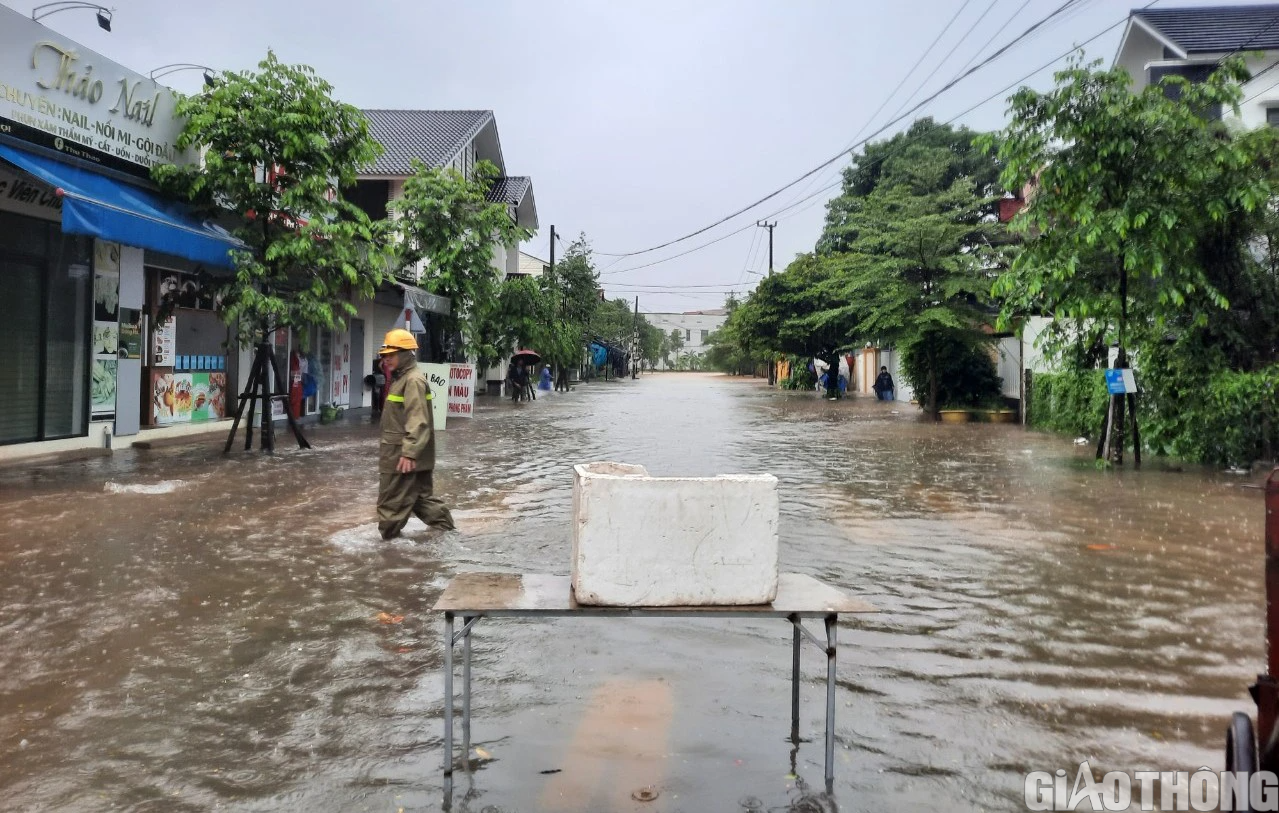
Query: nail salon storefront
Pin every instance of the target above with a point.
(88, 250)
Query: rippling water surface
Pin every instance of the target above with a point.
(185, 632)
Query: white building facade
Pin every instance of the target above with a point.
(695, 328)
(1190, 42)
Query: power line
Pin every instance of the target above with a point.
(842, 153)
(944, 59)
(750, 256)
(664, 287)
(998, 31)
(871, 119)
(886, 155)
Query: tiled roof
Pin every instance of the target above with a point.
(1213, 29)
(509, 190)
(434, 137)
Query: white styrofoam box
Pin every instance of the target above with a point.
(641, 541)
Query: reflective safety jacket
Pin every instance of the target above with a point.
(407, 430)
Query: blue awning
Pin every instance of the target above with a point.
(99, 206)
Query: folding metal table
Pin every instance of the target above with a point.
(472, 596)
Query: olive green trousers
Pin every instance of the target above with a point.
(403, 495)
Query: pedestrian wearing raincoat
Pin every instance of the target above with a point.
(406, 459)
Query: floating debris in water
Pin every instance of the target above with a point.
(387, 618)
(162, 487)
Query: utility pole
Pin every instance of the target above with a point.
(764, 224)
(635, 354)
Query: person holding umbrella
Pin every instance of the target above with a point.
(523, 361)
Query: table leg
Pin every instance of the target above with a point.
(794, 681)
(448, 709)
(466, 696)
(832, 628)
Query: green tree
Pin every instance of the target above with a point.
(1125, 188)
(908, 245)
(277, 148)
(574, 285)
(922, 271)
(676, 341)
(806, 310)
(447, 232)
(733, 347)
(651, 341)
(522, 314)
(614, 322)
(911, 159)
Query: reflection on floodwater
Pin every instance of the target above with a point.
(186, 632)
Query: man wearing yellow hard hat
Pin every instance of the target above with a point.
(406, 459)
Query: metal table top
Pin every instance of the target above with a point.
(539, 594)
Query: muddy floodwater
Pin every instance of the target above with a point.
(185, 632)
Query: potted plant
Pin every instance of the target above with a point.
(954, 414)
(996, 410)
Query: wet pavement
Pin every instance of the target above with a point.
(184, 632)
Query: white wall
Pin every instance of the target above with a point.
(891, 359)
(1008, 365)
(1252, 111)
(692, 324)
(1140, 49)
(532, 266)
(378, 319)
(1032, 355)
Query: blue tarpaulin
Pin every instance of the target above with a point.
(99, 206)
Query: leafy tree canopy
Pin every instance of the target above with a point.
(447, 232)
(277, 148)
(1123, 186)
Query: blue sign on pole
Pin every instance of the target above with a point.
(1120, 382)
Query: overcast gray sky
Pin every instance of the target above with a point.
(638, 121)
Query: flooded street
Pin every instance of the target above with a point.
(184, 632)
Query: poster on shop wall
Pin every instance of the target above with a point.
(342, 375)
(106, 330)
(172, 397)
(165, 343)
(461, 398)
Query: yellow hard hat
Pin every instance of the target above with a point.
(397, 340)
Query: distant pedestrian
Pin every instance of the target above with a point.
(884, 385)
(377, 382)
(544, 383)
(513, 379)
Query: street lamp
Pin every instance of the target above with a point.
(178, 67)
(104, 13)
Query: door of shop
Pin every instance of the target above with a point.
(21, 364)
(357, 363)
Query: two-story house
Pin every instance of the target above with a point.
(1190, 42)
(457, 139)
